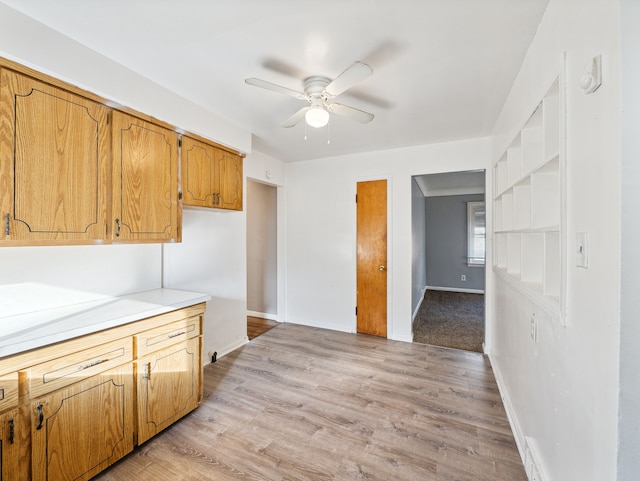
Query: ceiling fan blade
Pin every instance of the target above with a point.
(295, 118)
(256, 82)
(351, 113)
(357, 72)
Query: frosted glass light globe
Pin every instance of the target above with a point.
(317, 117)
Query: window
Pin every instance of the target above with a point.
(475, 233)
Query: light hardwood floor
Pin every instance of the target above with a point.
(256, 326)
(300, 403)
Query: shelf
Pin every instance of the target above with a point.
(514, 253)
(545, 196)
(528, 206)
(533, 251)
(522, 206)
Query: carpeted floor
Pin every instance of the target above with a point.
(451, 319)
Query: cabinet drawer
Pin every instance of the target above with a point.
(167, 335)
(64, 371)
(8, 390)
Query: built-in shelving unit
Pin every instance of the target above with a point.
(528, 207)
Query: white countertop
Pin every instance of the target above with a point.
(30, 330)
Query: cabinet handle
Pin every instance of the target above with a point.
(11, 431)
(117, 227)
(181, 333)
(40, 417)
(91, 364)
(147, 372)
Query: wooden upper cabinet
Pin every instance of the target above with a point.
(230, 180)
(54, 163)
(198, 173)
(145, 188)
(211, 177)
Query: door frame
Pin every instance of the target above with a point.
(389, 178)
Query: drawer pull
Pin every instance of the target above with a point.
(147, 372)
(91, 364)
(40, 417)
(181, 333)
(11, 431)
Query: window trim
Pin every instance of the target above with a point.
(473, 261)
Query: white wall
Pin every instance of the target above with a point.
(35, 45)
(321, 229)
(561, 392)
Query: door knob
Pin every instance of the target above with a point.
(382, 268)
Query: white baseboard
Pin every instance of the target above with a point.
(511, 415)
(455, 289)
(263, 315)
(223, 351)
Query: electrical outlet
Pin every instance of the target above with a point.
(534, 328)
(463, 277)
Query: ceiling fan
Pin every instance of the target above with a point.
(319, 92)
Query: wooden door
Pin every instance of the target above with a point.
(372, 257)
(145, 179)
(198, 164)
(229, 173)
(80, 430)
(54, 163)
(168, 386)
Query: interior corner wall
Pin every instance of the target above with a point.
(561, 390)
(321, 229)
(418, 246)
(446, 243)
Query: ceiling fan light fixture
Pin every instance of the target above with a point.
(317, 117)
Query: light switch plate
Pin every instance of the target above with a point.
(582, 250)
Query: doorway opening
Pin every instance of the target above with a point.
(262, 257)
(448, 268)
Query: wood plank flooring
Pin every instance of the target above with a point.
(257, 326)
(300, 403)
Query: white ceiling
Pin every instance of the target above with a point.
(442, 68)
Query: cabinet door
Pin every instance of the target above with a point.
(145, 180)
(229, 171)
(78, 431)
(54, 169)
(169, 386)
(198, 176)
(14, 461)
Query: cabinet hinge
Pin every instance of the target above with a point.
(179, 195)
(7, 225)
(108, 118)
(356, 310)
(180, 142)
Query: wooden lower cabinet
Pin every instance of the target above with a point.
(90, 400)
(80, 430)
(14, 433)
(168, 386)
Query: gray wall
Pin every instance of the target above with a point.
(446, 239)
(262, 292)
(418, 242)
